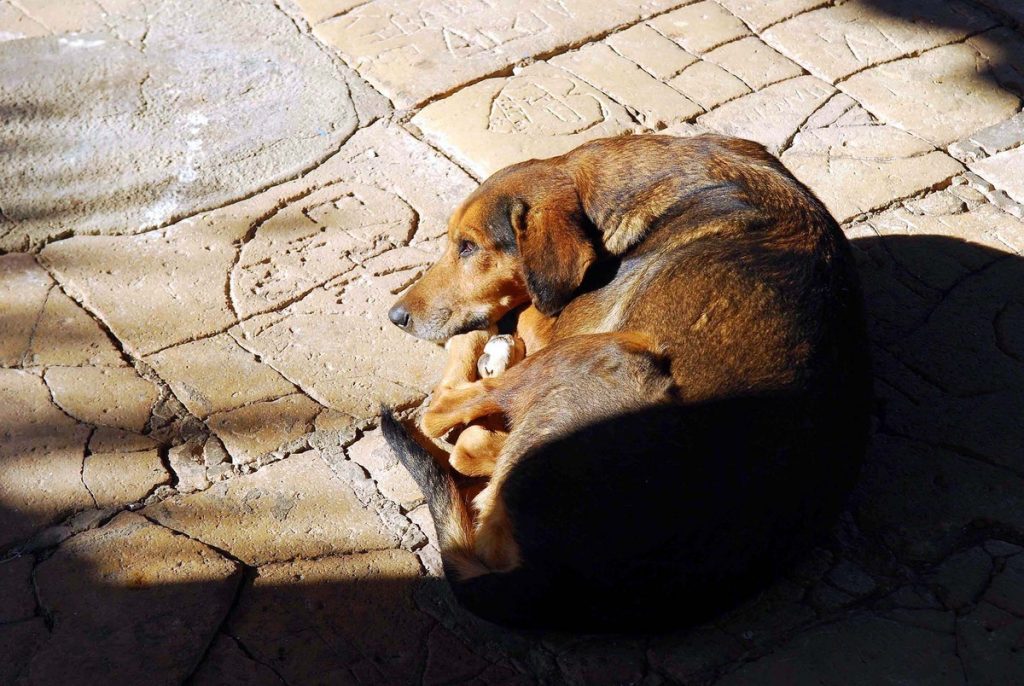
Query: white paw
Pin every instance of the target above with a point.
(497, 356)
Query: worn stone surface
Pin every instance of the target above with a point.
(1005, 170)
(293, 508)
(214, 213)
(41, 455)
(168, 78)
(336, 619)
(117, 479)
(834, 42)
(839, 653)
(16, 589)
(540, 111)
(856, 164)
(155, 618)
(412, 51)
(772, 115)
(956, 88)
(115, 397)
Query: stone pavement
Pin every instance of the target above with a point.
(206, 208)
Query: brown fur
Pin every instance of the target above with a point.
(663, 273)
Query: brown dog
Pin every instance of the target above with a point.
(694, 407)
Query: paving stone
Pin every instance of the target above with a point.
(106, 396)
(921, 498)
(347, 619)
(851, 578)
(759, 15)
(1005, 170)
(601, 661)
(191, 460)
(708, 85)
(857, 650)
(41, 452)
(118, 479)
(655, 54)
(67, 335)
(260, 428)
(171, 86)
(293, 508)
(316, 11)
(18, 641)
(834, 42)
(373, 454)
(540, 111)
(155, 618)
(657, 104)
(449, 660)
(962, 577)
(16, 589)
(686, 656)
(955, 93)
(753, 62)
(412, 51)
(858, 168)
(24, 287)
(227, 665)
(773, 115)
(347, 374)
(996, 138)
(1007, 588)
(216, 374)
(989, 644)
(700, 27)
(166, 273)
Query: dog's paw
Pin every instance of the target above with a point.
(500, 353)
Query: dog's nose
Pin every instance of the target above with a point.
(399, 316)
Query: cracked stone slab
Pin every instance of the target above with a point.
(835, 42)
(296, 507)
(989, 141)
(16, 589)
(154, 290)
(116, 479)
(252, 431)
(368, 362)
(414, 50)
(18, 642)
(858, 650)
(216, 374)
(759, 15)
(155, 618)
(168, 78)
(24, 289)
(1005, 170)
(656, 104)
(700, 27)
(773, 115)
(855, 164)
(104, 396)
(957, 88)
(540, 111)
(373, 454)
(344, 619)
(227, 665)
(41, 453)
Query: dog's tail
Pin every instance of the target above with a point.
(451, 514)
(519, 597)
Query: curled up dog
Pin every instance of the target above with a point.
(693, 403)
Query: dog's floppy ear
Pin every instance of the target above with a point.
(554, 249)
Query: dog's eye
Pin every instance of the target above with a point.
(466, 248)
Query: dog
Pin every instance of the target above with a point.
(693, 404)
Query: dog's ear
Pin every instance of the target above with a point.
(554, 249)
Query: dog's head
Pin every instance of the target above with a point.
(521, 236)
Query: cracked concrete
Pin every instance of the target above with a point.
(207, 209)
